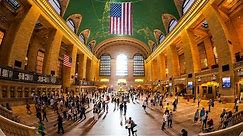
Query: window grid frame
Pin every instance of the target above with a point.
(138, 65)
(105, 65)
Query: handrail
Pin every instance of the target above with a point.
(234, 130)
(10, 127)
(1, 133)
(8, 114)
(235, 119)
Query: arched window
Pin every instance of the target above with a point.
(172, 25)
(138, 65)
(71, 25)
(186, 5)
(81, 37)
(56, 5)
(121, 65)
(154, 47)
(105, 65)
(39, 61)
(161, 38)
(14, 4)
(89, 47)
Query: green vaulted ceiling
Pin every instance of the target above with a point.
(146, 17)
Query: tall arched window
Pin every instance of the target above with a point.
(121, 65)
(138, 65)
(14, 4)
(105, 65)
(172, 24)
(161, 38)
(81, 37)
(71, 25)
(186, 5)
(154, 47)
(56, 5)
(39, 61)
(89, 47)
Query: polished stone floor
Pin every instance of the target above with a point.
(149, 123)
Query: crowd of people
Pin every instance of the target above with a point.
(74, 107)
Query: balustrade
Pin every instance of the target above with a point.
(10, 127)
(8, 114)
(1, 133)
(234, 130)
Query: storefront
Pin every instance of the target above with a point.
(208, 86)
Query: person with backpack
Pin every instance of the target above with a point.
(41, 129)
(130, 124)
(170, 116)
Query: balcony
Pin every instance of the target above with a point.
(11, 74)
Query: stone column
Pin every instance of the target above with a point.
(18, 38)
(52, 52)
(191, 52)
(162, 67)
(221, 40)
(209, 52)
(32, 53)
(80, 65)
(69, 73)
(148, 71)
(155, 70)
(93, 70)
(173, 61)
(88, 70)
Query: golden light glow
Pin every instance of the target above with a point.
(210, 84)
(104, 80)
(138, 80)
(121, 81)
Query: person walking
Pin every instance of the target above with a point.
(196, 116)
(28, 108)
(125, 109)
(170, 116)
(60, 124)
(144, 105)
(130, 126)
(44, 113)
(41, 129)
(121, 108)
(209, 105)
(184, 132)
(204, 120)
(202, 113)
(95, 112)
(82, 112)
(237, 104)
(164, 120)
(198, 101)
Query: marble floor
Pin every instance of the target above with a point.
(149, 123)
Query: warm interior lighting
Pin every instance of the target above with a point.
(210, 84)
(121, 81)
(121, 65)
(138, 80)
(104, 80)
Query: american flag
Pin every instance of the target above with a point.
(121, 18)
(67, 61)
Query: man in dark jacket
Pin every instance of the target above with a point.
(60, 124)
